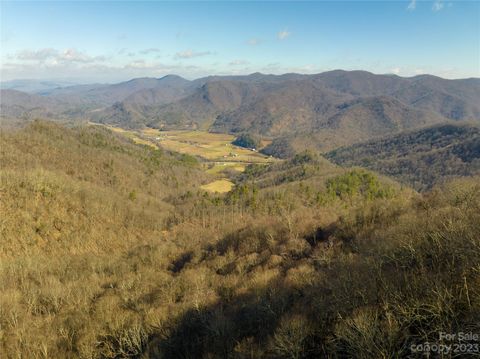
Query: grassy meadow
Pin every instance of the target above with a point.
(206, 145)
(218, 186)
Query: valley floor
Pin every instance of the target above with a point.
(216, 151)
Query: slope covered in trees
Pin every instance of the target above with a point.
(247, 140)
(419, 158)
(109, 250)
(333, 109)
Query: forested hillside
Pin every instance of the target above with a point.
(84, 187)
(110, 250)
(333, 108)
(419, 158)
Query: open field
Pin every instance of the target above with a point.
(215, 149)
(219, 167)
(209, 146)
(219, 186)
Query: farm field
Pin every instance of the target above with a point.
(219, 167)
(214, 149)
(209, 146)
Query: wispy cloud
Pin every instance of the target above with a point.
(412, 5)
(137, 64)
(150, 50)
(282, 35)
(36, 55)
(396, 70)
(437, 5)
(74, 55)
(55, 56)
(238, 62)
(180, 34)
(254, 41)
(188, 54)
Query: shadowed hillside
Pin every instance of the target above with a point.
(420, 158)
(270, 104)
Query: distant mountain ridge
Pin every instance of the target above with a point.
(327, 110)
(34, 86)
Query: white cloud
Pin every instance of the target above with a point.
(188, 54)
(395, 70)
(54, 56)
(282, 35)
(437, 5)
(74, 55)
(412, 5)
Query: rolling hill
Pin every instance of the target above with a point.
(321, 111)
(334, 108)
(104, 94)
(419, 158)
(19, 104)
(112, 249)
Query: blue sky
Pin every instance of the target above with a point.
(113, 41)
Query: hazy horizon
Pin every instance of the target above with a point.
(79, 81)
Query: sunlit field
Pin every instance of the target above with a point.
(209, 146)
(215, 150)
(219, 186)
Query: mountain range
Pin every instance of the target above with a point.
(296, 111)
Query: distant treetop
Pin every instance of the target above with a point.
(247, 140)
